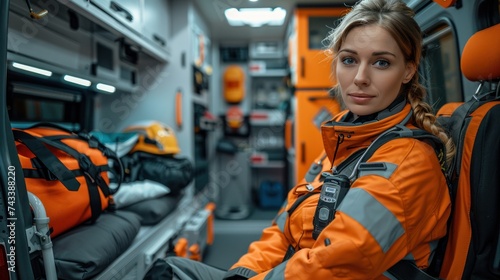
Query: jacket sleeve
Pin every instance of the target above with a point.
(270, 250)
(263, 254)
(383, 218)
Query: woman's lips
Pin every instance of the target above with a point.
(360, 98)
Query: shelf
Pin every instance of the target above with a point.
(269, 164)
(261, 117)
(269, 73)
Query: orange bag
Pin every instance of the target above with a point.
(67, 172)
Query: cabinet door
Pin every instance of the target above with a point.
(313, 65)
(127, 12)
(312, 108)
(156, 19)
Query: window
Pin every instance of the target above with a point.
(440, 67)
(488, 13)
(319, 28)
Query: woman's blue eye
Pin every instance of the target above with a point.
(348, 60)
(382, 63)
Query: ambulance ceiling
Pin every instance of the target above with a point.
(213, 13)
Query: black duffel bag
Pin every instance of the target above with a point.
(172, 171)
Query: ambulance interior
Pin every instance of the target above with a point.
(241, 99)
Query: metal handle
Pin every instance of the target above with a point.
(117, 8)
(159, 39)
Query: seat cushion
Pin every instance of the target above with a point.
(88, 249)
(154, 210)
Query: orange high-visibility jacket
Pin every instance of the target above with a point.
(397, 214)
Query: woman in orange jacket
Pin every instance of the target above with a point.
(398, 206)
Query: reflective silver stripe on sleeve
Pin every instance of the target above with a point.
(277, 273)
(281, 220)
(372, 215)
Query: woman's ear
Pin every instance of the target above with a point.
(410, 70)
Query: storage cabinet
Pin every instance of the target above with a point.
(311, 75)
(312, 107)
(126, 19)
(310, 65)
(128, 12)
(156, 22)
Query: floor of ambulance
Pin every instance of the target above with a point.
(232, 237)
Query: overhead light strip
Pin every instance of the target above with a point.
(105, 88)
(76, 80)
(68, 78)
(32, 69)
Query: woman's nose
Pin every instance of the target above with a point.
(362, 78)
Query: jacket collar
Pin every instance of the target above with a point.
(344, 135)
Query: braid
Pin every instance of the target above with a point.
(425, 118)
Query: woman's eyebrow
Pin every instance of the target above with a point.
(373, 54)
(383, 53)
(348, 50)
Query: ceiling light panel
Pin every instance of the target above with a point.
(255, 17)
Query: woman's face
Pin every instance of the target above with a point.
(370, 70)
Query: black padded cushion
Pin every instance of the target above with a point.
(154, 210)
(88, 249)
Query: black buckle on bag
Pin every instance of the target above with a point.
(93, 141)
(87, 167)
(93, 173)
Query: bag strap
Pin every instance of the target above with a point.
(55, 167)
(42, 173)
(93, 143)
(87, 166)
(48, 159)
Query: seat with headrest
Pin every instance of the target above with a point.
(481, 55)
(480, 61)
(472, 248)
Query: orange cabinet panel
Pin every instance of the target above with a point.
(311, 66)
(313, 107)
